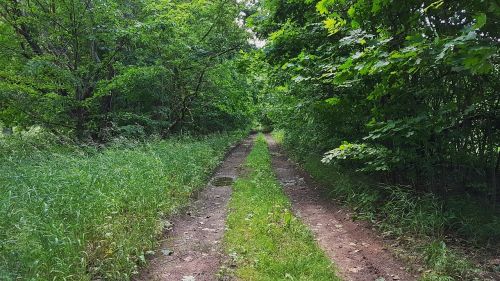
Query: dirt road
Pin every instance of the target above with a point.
(192, 250)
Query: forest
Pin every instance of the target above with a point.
(117, 117)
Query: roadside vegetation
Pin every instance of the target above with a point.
(71, 212)
(95, 70)
(417, 220)
(394, 106)
(96, 98)
(264, 239)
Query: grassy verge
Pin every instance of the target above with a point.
(266, 241)
(73, 213)
(398, 214)
(422, 220)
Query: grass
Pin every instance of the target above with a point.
(278, 136)
(403, 213)
(398, 213)
(76, 213)
(264, 238)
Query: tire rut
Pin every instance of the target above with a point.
(358, 252)
(193, 247)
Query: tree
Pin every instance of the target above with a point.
(98, 68)
(406, 91)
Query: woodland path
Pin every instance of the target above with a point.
(193, 247)
(358, 252)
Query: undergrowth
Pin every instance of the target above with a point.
(264, 239)
(84, 213)
(401, 212)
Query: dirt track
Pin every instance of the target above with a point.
(193, 248)
(357, 251)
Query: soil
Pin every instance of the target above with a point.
(356, 249)
(192, 249)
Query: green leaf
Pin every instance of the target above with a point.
(332, 101)
(480, 20)
(333, 24)
(351, 12)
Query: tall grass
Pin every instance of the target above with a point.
(76, 213)
(402, 210)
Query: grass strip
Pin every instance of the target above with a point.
(264, 238)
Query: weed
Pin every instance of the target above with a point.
(278, 136)
(444, 264)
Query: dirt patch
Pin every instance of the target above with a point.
(222, 181)
(357, 250)
(192, 249)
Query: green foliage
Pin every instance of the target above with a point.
(404, 91)
(96, 70)
(375, 158)
(264, 238)
(81, 213)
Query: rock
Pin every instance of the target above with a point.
(210, 230)
(167, 252)
(355, 269)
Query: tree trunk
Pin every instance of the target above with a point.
(494, 175)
